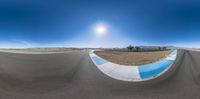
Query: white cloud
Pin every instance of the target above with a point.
(16, 44)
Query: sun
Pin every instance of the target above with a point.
(100, 29)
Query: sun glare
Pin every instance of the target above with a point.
(100, 29)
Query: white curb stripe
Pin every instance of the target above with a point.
(133, 73)
(116, 71)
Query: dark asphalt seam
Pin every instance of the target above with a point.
(77, 67)
(194, 69)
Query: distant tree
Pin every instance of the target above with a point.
(130, 47)
(164, 48)
(137, 48)
(159, 48)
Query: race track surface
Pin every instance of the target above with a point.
(72, 75)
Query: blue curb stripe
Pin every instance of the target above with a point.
(99, 61)
(173, 53)
(154, 69)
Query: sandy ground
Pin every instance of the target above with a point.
(132, 58)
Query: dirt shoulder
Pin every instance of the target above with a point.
(132, 58)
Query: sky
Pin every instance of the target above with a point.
(72, 23)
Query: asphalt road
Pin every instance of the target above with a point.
(74, 76)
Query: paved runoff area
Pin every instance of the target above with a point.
(74, 75)
(134, 73)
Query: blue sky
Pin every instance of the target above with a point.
(70, 23)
